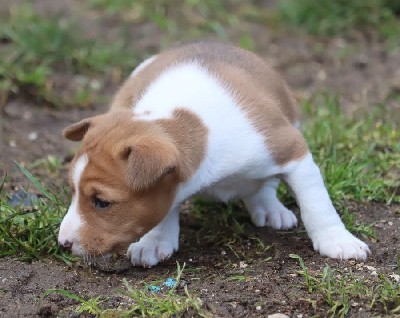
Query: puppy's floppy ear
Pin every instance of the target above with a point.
(148, 160)
(77, 131)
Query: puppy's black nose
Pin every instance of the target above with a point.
(66, 246)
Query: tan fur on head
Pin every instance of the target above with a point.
(134, 165)
(131, 213)
(148, 160)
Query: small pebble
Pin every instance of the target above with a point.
(27, 115)
(396, 277)
(23, 198)
(33, 136)
(243, 264)
(278, 315)
(321, 75)
(361, 62)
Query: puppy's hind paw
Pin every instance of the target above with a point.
(268, 210)
(337, 242)
(282, 219)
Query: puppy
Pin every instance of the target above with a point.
(199, 118)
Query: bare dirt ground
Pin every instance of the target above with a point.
(362, 77)
(271, 279)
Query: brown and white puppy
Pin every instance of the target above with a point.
(199, 118)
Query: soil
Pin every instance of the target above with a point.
(270, 279)
(362, 78)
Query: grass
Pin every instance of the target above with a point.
(226, 226)
(358, 158)
(185, 20)
(224, 220)
(30, 230)
(40, 54)
(362, 229)
(193, 19)
(332, 18)
(49, 58)
(142, 302)
(341, 290)
(205, 16)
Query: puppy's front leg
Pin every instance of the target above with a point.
(323, 224)
(158, 244)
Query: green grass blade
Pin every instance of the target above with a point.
(38, 185)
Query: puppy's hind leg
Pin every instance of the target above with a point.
(323, 224)
(266, 209)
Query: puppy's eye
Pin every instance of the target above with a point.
(100, 204)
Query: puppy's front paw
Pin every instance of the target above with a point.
(337, 242)
(149, 252)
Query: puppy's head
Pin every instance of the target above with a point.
(123, 181)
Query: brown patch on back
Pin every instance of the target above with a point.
(265, 111)
(261, 92)
(140, 183)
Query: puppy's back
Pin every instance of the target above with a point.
(246, 76)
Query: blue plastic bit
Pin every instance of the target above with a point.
(154, 288)
(170, 282)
